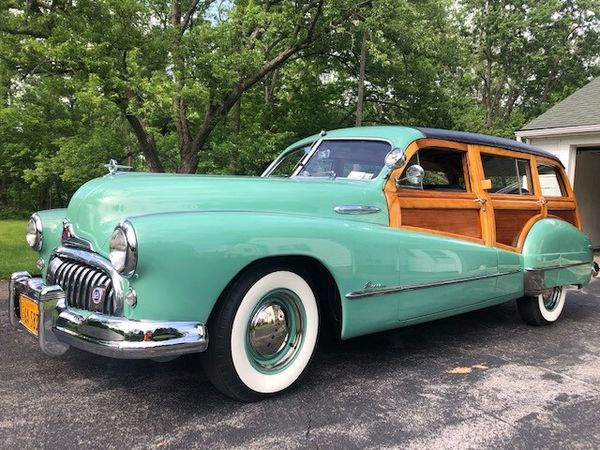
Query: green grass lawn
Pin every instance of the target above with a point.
(15, 254)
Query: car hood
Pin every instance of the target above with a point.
(99, 205)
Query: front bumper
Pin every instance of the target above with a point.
(116, 337)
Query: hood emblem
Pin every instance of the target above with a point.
(113, 167)
(67, 231)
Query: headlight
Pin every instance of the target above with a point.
(34, 234)
(123, 249)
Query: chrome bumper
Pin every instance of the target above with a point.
(116, 337)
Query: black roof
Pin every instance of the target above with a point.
(482, 139)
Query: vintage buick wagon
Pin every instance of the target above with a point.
(350, 231)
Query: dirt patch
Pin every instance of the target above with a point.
(3, 290)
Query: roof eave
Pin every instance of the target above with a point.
(557, 131)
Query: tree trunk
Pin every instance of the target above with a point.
(270, 88)
(236, 124)
(219, 108)
(146, 141)
(361, 81)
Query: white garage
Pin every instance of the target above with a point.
(571, 131)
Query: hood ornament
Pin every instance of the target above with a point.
(113, 167)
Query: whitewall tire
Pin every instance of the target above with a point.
(543, 309)
(263, 333)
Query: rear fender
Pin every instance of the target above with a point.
(556, 253)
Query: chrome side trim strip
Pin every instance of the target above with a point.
(535, 281)
(411, 287)
(557, 266)
(356, 209)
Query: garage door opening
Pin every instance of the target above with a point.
(587, 190)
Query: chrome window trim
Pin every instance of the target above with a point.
(269, 170)
(411, 287)
(307, 157)
(94, 260)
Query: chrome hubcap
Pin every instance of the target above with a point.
(552, 298)
(275, 330)
(268, 329)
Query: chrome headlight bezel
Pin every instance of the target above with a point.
(34, 233)
(123, 249)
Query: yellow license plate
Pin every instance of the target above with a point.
(30, 314)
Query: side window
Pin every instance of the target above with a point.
(550, 181)
(508, 175)
(444, 170)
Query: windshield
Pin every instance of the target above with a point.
(352, 159)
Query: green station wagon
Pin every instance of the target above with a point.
(351, 231)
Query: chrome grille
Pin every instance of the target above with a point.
(78, 279)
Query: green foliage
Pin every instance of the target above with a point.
(520, 57)
(223, 87)
(15, 254)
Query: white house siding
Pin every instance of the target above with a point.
(565, 147)
(583, 172)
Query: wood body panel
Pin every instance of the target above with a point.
(501, 220)
(568, 215)
(510, 223)
(455, 221)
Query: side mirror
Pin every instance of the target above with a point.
(414, 175)
(394, 159)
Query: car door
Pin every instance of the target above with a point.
(510, 193)
(448, 264)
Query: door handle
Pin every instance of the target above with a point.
(482, 202)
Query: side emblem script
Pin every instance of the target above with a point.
(97, 298)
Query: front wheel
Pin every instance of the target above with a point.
(263, 334)
(542, 309)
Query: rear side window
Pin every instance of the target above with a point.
(550, 181)
(444, 170)
(508, 175)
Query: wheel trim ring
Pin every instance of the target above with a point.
(289, 350)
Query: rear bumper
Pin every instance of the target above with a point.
(116, 337)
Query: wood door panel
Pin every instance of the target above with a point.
(510, 223)
(456, 221)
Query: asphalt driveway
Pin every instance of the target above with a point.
(483, 379)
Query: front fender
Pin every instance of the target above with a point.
(52, 223)
(186, 260)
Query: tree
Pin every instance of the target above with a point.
(177, 67)
(522, 56)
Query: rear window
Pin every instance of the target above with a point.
(550, 181)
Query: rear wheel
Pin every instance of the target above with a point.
(543, 309)
(262, 334)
